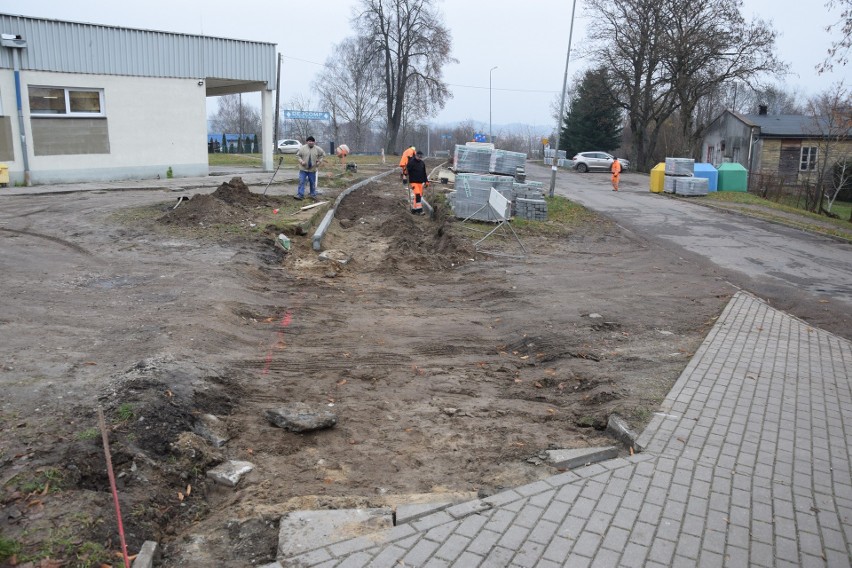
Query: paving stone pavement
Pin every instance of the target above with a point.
(746, 464)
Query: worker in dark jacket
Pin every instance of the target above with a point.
(417, 178)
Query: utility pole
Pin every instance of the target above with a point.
(554, 167)
(277, 106)
(490, 136)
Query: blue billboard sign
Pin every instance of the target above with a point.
(306, 115)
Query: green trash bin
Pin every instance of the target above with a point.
(733, 177)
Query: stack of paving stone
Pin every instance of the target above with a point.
(551, 153)
(532, 209)
(528, 201)
(528, 190)
(677, 169)
(691, 186)
(680, 166)
(472, 192)
(506, 162)
(472, 159)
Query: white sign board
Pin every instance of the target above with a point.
(499, 204)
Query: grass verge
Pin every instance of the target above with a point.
(786, 214)
(562, 216)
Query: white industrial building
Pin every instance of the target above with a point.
(87, 102)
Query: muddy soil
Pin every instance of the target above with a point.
(450, 370)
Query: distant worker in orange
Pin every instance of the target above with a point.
(417, 175)
(616, 173)
(342, 151)
(403, 163)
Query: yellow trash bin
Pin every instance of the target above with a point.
(4, 174)
(658, 177)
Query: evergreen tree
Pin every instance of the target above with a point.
(224, 148)
(594, 120)
(256, 146)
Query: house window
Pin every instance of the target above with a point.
(808, 159)
(66, 101)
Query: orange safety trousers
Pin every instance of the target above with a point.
(417, 196)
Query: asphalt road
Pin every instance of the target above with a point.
(808, 275)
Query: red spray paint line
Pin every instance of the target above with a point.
(282, 325)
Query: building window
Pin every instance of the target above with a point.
(66, 101)
(808, 159)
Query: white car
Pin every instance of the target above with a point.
(288, 146)
(586, 161)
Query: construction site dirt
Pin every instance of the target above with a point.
(449, 370)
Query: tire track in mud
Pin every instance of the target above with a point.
(301, 364)
(63, 242)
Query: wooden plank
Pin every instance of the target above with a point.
(312, 205)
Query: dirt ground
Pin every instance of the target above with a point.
(450, 370)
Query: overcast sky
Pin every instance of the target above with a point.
(526, 40)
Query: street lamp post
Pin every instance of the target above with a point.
(554, 167)
(490, 135)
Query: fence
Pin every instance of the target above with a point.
(786, 190)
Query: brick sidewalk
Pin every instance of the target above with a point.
(747, 464)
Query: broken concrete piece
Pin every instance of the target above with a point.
(299, 417)
(619, 428)
(569, 459)
(335, 255)
(230, 473)
(301, 531)
(595, 316)
(148, 554)
(212, 429)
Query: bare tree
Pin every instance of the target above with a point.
(626, 36)
(709, 43)
(831, 119)
(667, 55)
(350, 88)
(838, 53)
(776, 99)
(412, 45)
(463, 132)
(236, 117)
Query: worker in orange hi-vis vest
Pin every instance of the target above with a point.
(403, 163)
(616, 172)
(342, 151)
(419, 179)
